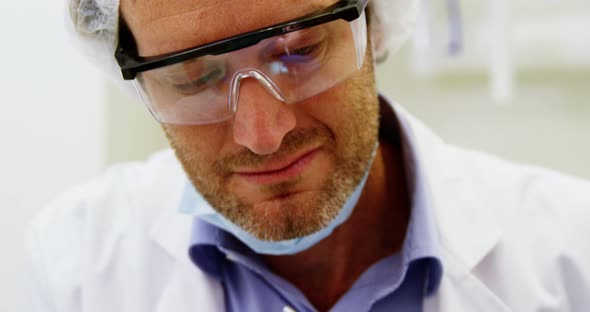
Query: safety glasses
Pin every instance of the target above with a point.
(292, 61)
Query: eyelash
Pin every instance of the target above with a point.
(200, 82)
(305, 51)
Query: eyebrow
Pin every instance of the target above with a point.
(314, 6)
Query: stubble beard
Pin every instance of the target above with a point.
(299, 216)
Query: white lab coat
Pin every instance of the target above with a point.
(515, 238)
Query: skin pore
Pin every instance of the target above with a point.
(339, 126)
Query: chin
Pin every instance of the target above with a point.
(288, 217)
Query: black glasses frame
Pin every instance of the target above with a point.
(131, 64)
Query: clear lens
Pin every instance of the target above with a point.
(292, 67)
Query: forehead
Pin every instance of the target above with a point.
(163, 26)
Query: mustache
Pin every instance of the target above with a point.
(293, 141)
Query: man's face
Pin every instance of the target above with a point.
(279, 171)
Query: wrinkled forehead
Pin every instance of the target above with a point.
(164, 26)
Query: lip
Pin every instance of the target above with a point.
(281, 171)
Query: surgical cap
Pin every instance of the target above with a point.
(93, 25)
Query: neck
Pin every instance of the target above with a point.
(375, 230)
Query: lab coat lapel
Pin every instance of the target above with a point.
(460, 290)
(188, 288)
(467, 217)
(172, 231)
(467, 236)
(468, 223)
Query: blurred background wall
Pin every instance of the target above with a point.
(508, 78)
(52, 126)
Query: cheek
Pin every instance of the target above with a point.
(201, 143)
(333, 109)
(326, 106)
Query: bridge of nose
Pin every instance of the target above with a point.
(260, 121)
(259, 77)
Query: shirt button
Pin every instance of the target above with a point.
(288, 309)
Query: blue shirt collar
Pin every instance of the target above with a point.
(211, 245)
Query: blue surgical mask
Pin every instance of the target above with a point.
(194, 204)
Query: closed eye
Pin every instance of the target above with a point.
(202, 83)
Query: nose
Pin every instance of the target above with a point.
(261, 121)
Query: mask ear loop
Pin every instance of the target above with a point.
(265, 81)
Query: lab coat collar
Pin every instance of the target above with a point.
(462, 291)
(468, 230)
(172, 230)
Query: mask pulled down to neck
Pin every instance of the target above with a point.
(193, 203)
